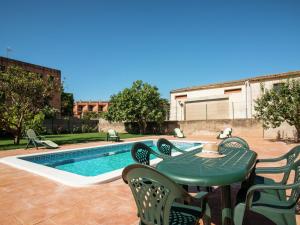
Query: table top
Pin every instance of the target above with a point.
(189, 169)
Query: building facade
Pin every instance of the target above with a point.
(228, 100)
(89, 106)
(55, 102)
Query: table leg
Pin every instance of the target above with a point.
(226, 205)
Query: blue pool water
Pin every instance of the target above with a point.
(95, 161)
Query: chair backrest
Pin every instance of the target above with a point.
(178, 132)
(154, 193)
(295, 168)
(292, 155)
(227, 131)
(164, 146)
(140, 153)
(234, 142)
(112, 132)
(31, 134)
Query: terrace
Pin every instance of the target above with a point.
(31, 199)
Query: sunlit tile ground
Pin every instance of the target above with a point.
(28, 199)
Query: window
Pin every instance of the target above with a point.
(90, 108)
(79, 108)
(100, 109)
(277, 86)
(234, 90)
(180, 96)
(51, 78)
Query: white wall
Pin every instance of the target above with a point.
(241, 104)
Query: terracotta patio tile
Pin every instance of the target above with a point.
(46, 222)
(36, 214)
(27, 199)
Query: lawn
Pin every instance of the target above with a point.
(62, 139)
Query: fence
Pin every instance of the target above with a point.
(70, 125)
(214, 110)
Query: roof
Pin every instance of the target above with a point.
(292, 74)
(14, 61)
(91, 102)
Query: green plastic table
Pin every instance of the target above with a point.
(189, 169)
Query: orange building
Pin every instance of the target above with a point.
(89, 106)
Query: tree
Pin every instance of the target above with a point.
(67, 103)
(91, 115)
(140, 103)
(280, 104)
(23, 96)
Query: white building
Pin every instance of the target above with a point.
(228, 100)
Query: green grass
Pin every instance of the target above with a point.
(62, 139)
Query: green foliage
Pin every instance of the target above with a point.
(280, 104)
(62, 139)
(36, 123)
(49, 112)
(140, 103)
(23, 96)
(91, 115)
(67, 102)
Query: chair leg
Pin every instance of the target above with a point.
(35, 144)
(239, 213)
(207, 215)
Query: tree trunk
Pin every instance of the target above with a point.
(142, 126)
(17, 140)
(18, 136)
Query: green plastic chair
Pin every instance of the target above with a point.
(290, 158)
(140, 153)
(112, 135)
(160, 201)
(166, 147)
(265, 199)
(36, 140)
(234, 142)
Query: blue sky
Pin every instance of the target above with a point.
(101, 47)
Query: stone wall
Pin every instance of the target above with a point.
(241, 127)
(104, 126)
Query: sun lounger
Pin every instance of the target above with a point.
(38, 140)
(225, 134)
(178, 133)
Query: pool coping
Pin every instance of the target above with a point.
(72, 179)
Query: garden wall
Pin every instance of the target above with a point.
(241, 127)
(70, 125)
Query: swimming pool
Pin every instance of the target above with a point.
(85, 166)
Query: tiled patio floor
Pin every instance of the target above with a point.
(28, 199)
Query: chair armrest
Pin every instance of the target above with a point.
(271, 159)
(200, 195)
(197, 199)
(261, 187)
(179, 150)
(41, 137)
(159, 155)
(270, 170)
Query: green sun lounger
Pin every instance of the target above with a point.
(178, 133)
(38, 140)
